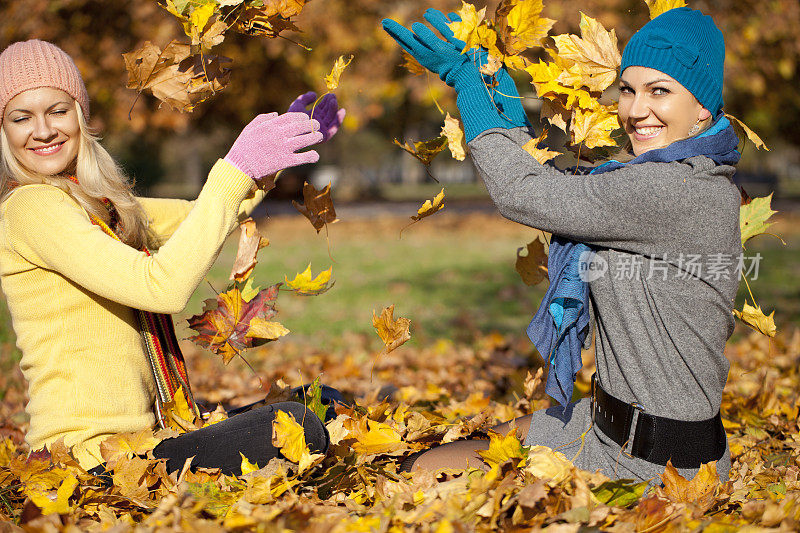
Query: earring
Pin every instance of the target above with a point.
(695, 128)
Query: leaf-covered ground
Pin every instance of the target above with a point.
(438, 390)
(437, 393)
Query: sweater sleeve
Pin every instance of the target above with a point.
(166, 214)
(50, 230)
(638, 208)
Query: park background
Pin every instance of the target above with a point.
(453, 274)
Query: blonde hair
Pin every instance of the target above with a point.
(99, 178)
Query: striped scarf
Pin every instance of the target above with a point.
(160, 343)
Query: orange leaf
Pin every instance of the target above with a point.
(701, 491)
(317, 207)
(392, 332)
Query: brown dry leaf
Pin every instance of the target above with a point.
(332, 79)
(701, 491)
(595, 53)
(214, 35)
(317, 206)
(542, 155)
(659, 6)
(250, 242)
(756, 319)
(253, 21)
(412, 65)
(455, 137)
(175, 75)
(593, 128)
(743, 131)
(492, 65)
(283, 8)
(392, 332)
(425, 151)
(430, 207)
(532, 268)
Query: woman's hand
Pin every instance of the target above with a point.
(270, 143)
(326, 112)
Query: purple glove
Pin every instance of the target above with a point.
(268, 144)
(327, 112)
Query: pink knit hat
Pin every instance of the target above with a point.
(32, 64)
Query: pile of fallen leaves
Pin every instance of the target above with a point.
(357, 485)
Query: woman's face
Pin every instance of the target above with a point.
(656, 110)
(42, 130)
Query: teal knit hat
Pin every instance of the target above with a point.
(686, 45)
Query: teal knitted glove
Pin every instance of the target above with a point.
(443, 57)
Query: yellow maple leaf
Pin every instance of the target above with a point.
(542, 155)
(659, 6)
(595, 52)
(290, 437)
(393, 333)
(527, 27)
(247, 466)
(701, 491)
(332, 79)
(430, 207)
(261, 328)
(553, 80)
(594, 127)
(455, 137)
(59, 505)
(501, 449)
(178, 414)
(128, 445)
(466, 29)
(756, 319)
(425, 151)
(549, 465)
(305, 284)
(373, 436)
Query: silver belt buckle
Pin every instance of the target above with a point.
(628, 448)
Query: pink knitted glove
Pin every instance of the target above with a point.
(270, 142)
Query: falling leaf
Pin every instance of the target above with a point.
(467, 29)
(175, 75)
(525, 27)
(411, 64)
(430, 207)
(332, 79)
(532, 268)
(593, 128)
(250, 242)
(228, 324)
(290, 437)
(620, 492)
(753, 217)
(542, 155)
(317, 206)
(660, 6)
(393, 333)
(425, 151)
(743, 131)
(595, 52)
(305, 285)
(756, 319)
(455, 137)
(701, 491)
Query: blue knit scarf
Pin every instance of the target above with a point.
(561, 324)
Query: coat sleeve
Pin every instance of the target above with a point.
(50, 230)
(640, 208)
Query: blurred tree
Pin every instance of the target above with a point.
(382, 99)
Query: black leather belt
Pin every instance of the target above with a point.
(657, 439)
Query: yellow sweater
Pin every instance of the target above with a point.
(71, 289)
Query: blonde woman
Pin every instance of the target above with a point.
(90, 271)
